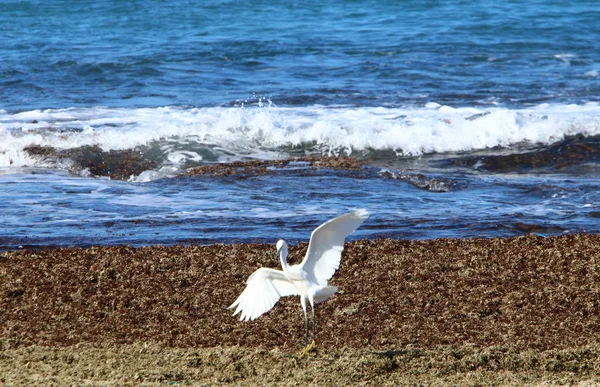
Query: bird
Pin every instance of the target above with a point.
(308, 279)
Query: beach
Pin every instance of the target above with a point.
(152, 153)
(499, 311)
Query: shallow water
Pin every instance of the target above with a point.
(58, 209)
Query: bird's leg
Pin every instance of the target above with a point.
(314, 327)
(307, 347)
(303, 303)
(314, 330)
(305, 330)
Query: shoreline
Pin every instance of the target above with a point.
(498, 299)
(154, 364)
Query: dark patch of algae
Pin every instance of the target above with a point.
(261, 167)
(514, 311)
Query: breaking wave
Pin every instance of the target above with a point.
(168, 139)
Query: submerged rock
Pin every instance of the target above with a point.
(260, 167)
(116, 164)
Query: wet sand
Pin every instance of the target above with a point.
(513, 311)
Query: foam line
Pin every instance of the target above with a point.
(266, 132)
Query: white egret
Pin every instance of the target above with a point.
(308, 280)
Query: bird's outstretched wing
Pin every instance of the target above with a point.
(263, 289)
(326, 244)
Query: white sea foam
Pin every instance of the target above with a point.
(161, 173)
(566, 58)
(183, 134)
(591, 74)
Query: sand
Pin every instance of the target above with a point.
(504, 311)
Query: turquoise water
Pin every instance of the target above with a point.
(501, 100)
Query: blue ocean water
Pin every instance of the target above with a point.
(58, 54)
(499, 99)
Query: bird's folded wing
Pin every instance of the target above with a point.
(263, 289)
(326, 244)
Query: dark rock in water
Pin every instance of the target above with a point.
(250, 168)
(528, 227)
(37, 150)
(116, 164)
(421, 181)
(536, 228)
(261, 167)
(571, 151)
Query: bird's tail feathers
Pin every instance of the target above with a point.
(323, 294)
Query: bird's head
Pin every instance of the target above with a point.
(281, 246)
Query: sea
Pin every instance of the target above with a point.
(473, 119)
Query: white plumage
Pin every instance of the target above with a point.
(308, 279)
(263, 290)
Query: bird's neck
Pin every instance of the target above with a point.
(283, 259)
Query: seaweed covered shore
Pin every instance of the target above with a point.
(509, 311)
